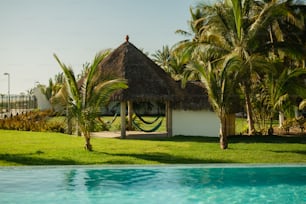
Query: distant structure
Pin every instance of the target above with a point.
(42, 101)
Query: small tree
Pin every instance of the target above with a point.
(87, 95)
(221, 82)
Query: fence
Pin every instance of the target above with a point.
(16, 104)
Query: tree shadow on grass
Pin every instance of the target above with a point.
(165, 158)
(303, 152)
(179, 139)
(231, 139)
(31, 159)
(267, 139)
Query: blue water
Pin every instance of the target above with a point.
(155, 184)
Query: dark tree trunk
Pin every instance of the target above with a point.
(223, 142)
(87, 146)
(223, 133)
(249, 111)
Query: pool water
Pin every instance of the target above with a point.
(153, 184)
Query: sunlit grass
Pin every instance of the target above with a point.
(37, 148)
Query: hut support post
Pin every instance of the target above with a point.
(169, 119)
(122, 114)
(130, 114)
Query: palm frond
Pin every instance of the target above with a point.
(280, 101)
(91, 80)
(302, 104)
(237, 9)
(104, 90)
(183, 33)
(71, 82)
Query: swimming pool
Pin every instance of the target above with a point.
(154, 184)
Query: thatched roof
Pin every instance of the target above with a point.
(146, 80)
(195, 97)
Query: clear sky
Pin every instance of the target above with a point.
(32, 30)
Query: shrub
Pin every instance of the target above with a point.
(294, 123)
(56, 126)
(29, 121)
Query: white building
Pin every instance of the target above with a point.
(193, 115)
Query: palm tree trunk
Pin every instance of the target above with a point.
(69, 122)
(223, 133)
(249, 111)
(88, 146)
(271, 130)
(69, 126)
(78, 132)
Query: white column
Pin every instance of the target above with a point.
(130, 114)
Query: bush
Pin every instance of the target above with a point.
(29, 121)
(294, 123)
(56, 126)
(100, 125)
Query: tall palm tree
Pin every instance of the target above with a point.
(88, 94)
(221, 82)
(240, 28)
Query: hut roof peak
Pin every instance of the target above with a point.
(146, 80)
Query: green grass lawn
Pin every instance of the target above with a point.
(42, 148)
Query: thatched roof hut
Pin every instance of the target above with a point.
(146, 80)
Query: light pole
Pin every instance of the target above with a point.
(1, 111)
(8, 92)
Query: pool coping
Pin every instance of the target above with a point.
(160, 166)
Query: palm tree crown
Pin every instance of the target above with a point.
(87, 95)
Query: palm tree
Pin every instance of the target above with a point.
(279, 87)
(221, 82)
(240, 28)
(173, 61)
(59, 81)
(162, 58)
(88, 94)
(53, 87)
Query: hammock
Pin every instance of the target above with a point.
(150, 130)
(114, 118)
(146, 122)
(109, 122)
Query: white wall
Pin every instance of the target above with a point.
(195, 123)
